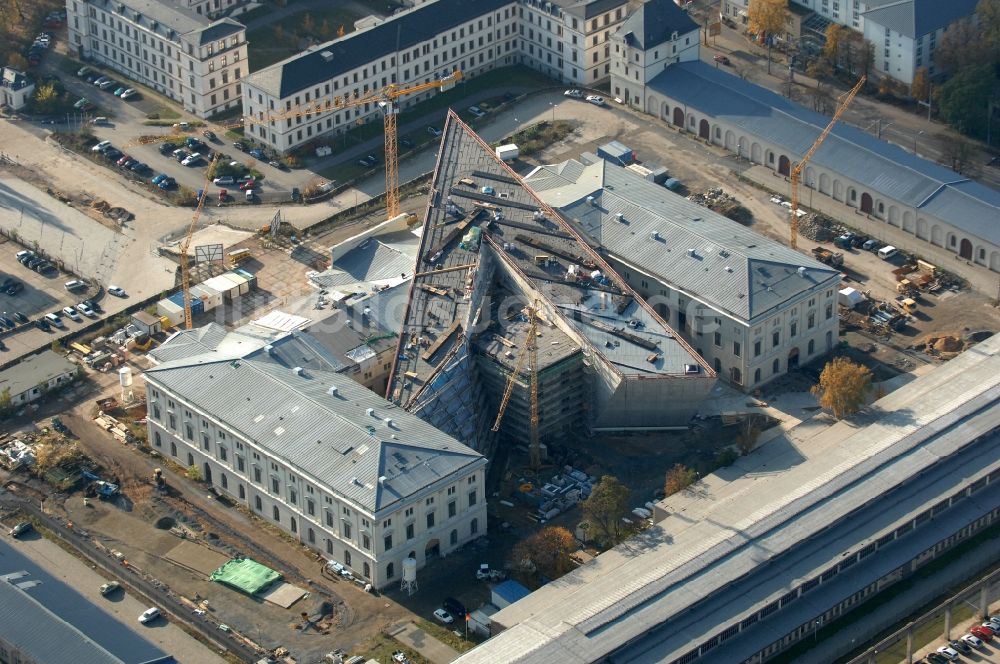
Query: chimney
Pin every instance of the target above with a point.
(620, 218)
(370, 412)
(332, 391)
(297, 371)
(388, 422)
(802, 271)
(692, 253)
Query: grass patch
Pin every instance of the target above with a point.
(288, 36)
(255, 13)
(381, 647)
(167, 112)
(540, 135)
(445, 635)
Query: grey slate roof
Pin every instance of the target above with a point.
(376, 259)
(47, 621)
(34, 370)
(781, 517)
(161, 16)
(329, 437)
(654, 22)
(398, 33)
(885, 168)
(734, 269)
(588, 9)
(916, 18)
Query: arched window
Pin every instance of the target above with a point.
(225, 481)
(811, 347)
(367, 571)
(390, 571)
(474, 526)
(756, 375)
(776, 366)
(311, 535)
(257, 504)
(295, 526)
(454, 537)
(347, 557)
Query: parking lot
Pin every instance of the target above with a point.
(42, 294)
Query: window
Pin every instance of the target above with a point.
(736, 348)
(776, 366)
(775, 339)
(274, 485)
(173, 448)
(256, 474)
(390, 571)
(293, 497)
(409, 531)
(257, 503)
(225, 481)
(793, 329)
(347, 530)
(472, 498)
(756, 348)
(275, 513)
(829, 311)
(347, 557)
(452, 509)
(310, 507)
(811, 347)
(474, 526)
(156, 439)
(387, 541)
(811, 321)
(430, 520)
(718, 339)
(366, 542)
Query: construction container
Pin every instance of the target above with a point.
(616, 153)
(170, 310)
(210, 296)
(508, 152)
(226, 288)
(197, 306)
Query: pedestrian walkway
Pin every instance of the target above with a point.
(410, 635)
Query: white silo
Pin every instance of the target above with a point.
(409, 583)
(125, 382)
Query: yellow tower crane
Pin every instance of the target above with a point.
(186, 245)
(384, 98)
(796, 173)
(530, 353)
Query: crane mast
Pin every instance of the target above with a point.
(796, 173)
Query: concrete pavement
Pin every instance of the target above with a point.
(79, 576)
(410, 635)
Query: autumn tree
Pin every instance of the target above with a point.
(920, 86)
(308, 24)
(6, 403)
(46, 98)
(325, 31)
(843, 386)
(17, 61)
(193, 473)
(546, 552)
(819, 69)
(605, 509)
(340, 31)
(956, 151)
(679, 478)
(836, 35)
(767, 19)
(962, 45)
(862, 58)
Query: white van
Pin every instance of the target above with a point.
(887, 252)
(55, 320)
(74, 284)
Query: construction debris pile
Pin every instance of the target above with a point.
(717, 200)
(559, 494)
(820, 228)
(119, 214)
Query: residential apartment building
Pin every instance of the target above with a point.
(271, 424)
(186, 56)
(655, 36)
(294, 102)
(751, 307)
(905, 34)
(849, 13)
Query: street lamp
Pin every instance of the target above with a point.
(553, 112)
(915, 136)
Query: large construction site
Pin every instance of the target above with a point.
(516, 326)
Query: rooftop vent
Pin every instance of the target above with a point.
(382, 479)
(728, 269)
(692, 253)
(801, 271)
(297, 371)
(620, 218)
(691, 368)
(370, 412)
(655, 235)
(356, 482)
(388, 422)
(327, 56)
(590, 200)
(332, 391)
(268, 348)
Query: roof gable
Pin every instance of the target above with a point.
(655, 22)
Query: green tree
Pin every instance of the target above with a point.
(964, 99)
(819, 69)
(963, 44)
(678, 478)
(605, 509)
(46, 98)
(988, 13)
(193, 473)
(546, 552)
(862, 58)
(843, 386)
(6, 403)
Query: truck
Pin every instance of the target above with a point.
(508, 152)
(832, 258)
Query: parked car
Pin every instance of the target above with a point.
(124, 159)
(157, 179)
(257, 153)
(86, 310)
(453, 606)
(43, 325)
(368, 161)
(20, 529)
(113, 154)
(101, 80)
(722, 59)
(117, 291)
(210, 135)
(167, 183)
(973, 641)
(24, 254)
(240, 146)
(249, 185)
(191, 159)
(183, 126)
(434, 131)
(20, 318)
(476, 111)
(70, 313)
(44, 267)
(443, 616)
(149, 615)
(982, 632)
(225, 179)
(948, 652)
(595, 100)
(74, 284)
(935, 658)
(7, 323)
(109, 587)
(118, 91)
(129, 94)
(14, 288)
(575, 94)
(138, 167)
(960, 646)
(180, 154)
(101, 147)
(55, 320)
(83, 71)
(193, 143)
(108, 83)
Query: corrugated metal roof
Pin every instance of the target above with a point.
(885, 168)
(733, 268)
(375, 261)
(50, 622)
(655, 590)
(330, 437)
